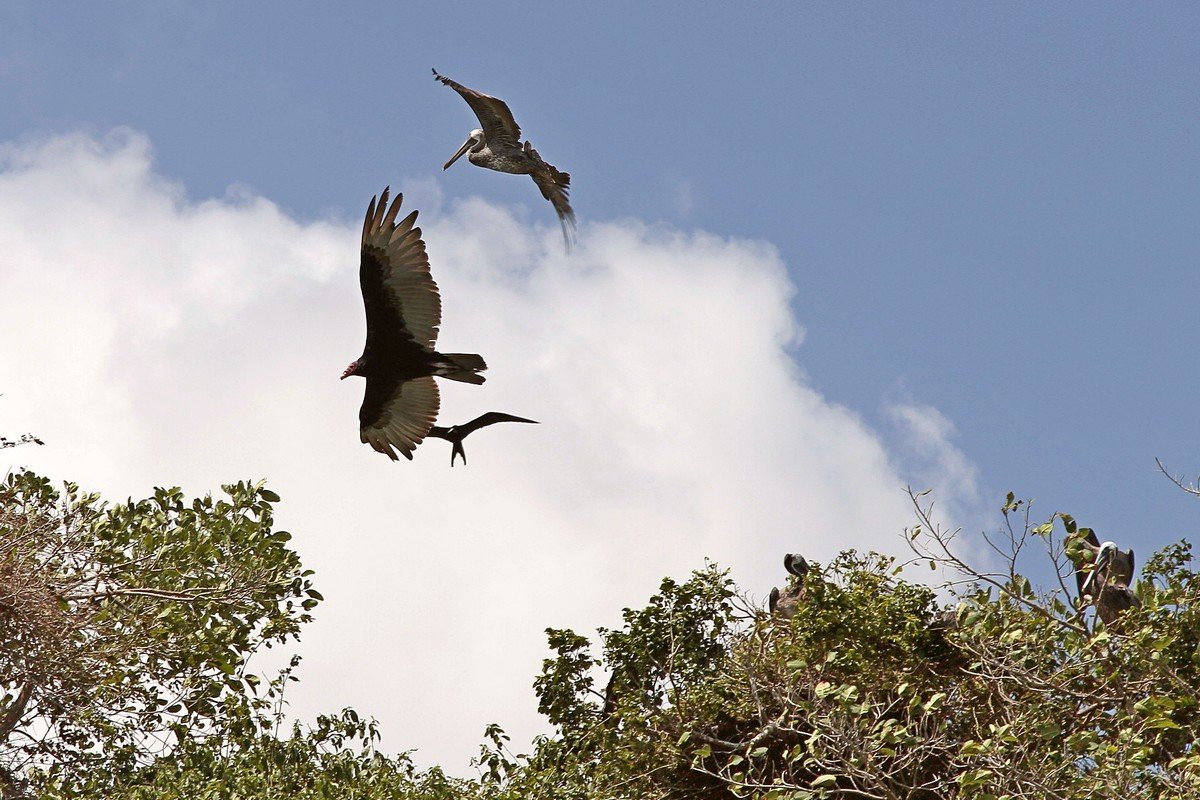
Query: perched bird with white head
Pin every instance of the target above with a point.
(1105, 579)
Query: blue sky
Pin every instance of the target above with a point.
(992, 207)
(987, 209)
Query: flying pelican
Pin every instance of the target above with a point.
(497, 145)
(456, 433)
(785, 604)
(1106, 584)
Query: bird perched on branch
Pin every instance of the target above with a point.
(784, 603)
(404, 311)
(456, 433)
(1104, 578)
(497, 145)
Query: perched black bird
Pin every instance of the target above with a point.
(497, 145)
(403, 313)
(1106, 584)
(456, 433)
(785, 603)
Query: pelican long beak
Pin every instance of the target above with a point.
(466, 145)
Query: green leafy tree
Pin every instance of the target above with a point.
(125, 629)
(876, 690)
(247, 759)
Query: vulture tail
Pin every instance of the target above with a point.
(462, 367)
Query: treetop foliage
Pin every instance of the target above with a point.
(878, 686)
(125, 628)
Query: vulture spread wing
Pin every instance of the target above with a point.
(397, 415)
(400, 295)
(494, 116)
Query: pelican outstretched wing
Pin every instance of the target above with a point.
(494, 115)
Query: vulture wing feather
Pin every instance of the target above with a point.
(397, 415)
(400, 295)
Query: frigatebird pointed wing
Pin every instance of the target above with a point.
(494, 115)
(491, 418)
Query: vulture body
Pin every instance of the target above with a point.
(784, 603)
(404, 311)
(1106, 585)
(456, 433)
(497, 146)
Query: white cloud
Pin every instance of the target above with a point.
(931, 461)
(152, 339)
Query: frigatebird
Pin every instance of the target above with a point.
(497, 145)
(456, 433)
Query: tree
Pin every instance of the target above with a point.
(875, 690)
(125, 629)
(247, 760)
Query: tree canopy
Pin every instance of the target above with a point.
(127, 628)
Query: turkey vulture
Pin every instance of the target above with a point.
(497, 145)
(1106, 584)
(456, 433)
(403, 314)
(785, 603)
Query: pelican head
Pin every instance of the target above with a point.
(1104, 557)
(474, 139)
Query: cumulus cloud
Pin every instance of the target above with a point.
(154, 339)
(928, 457)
